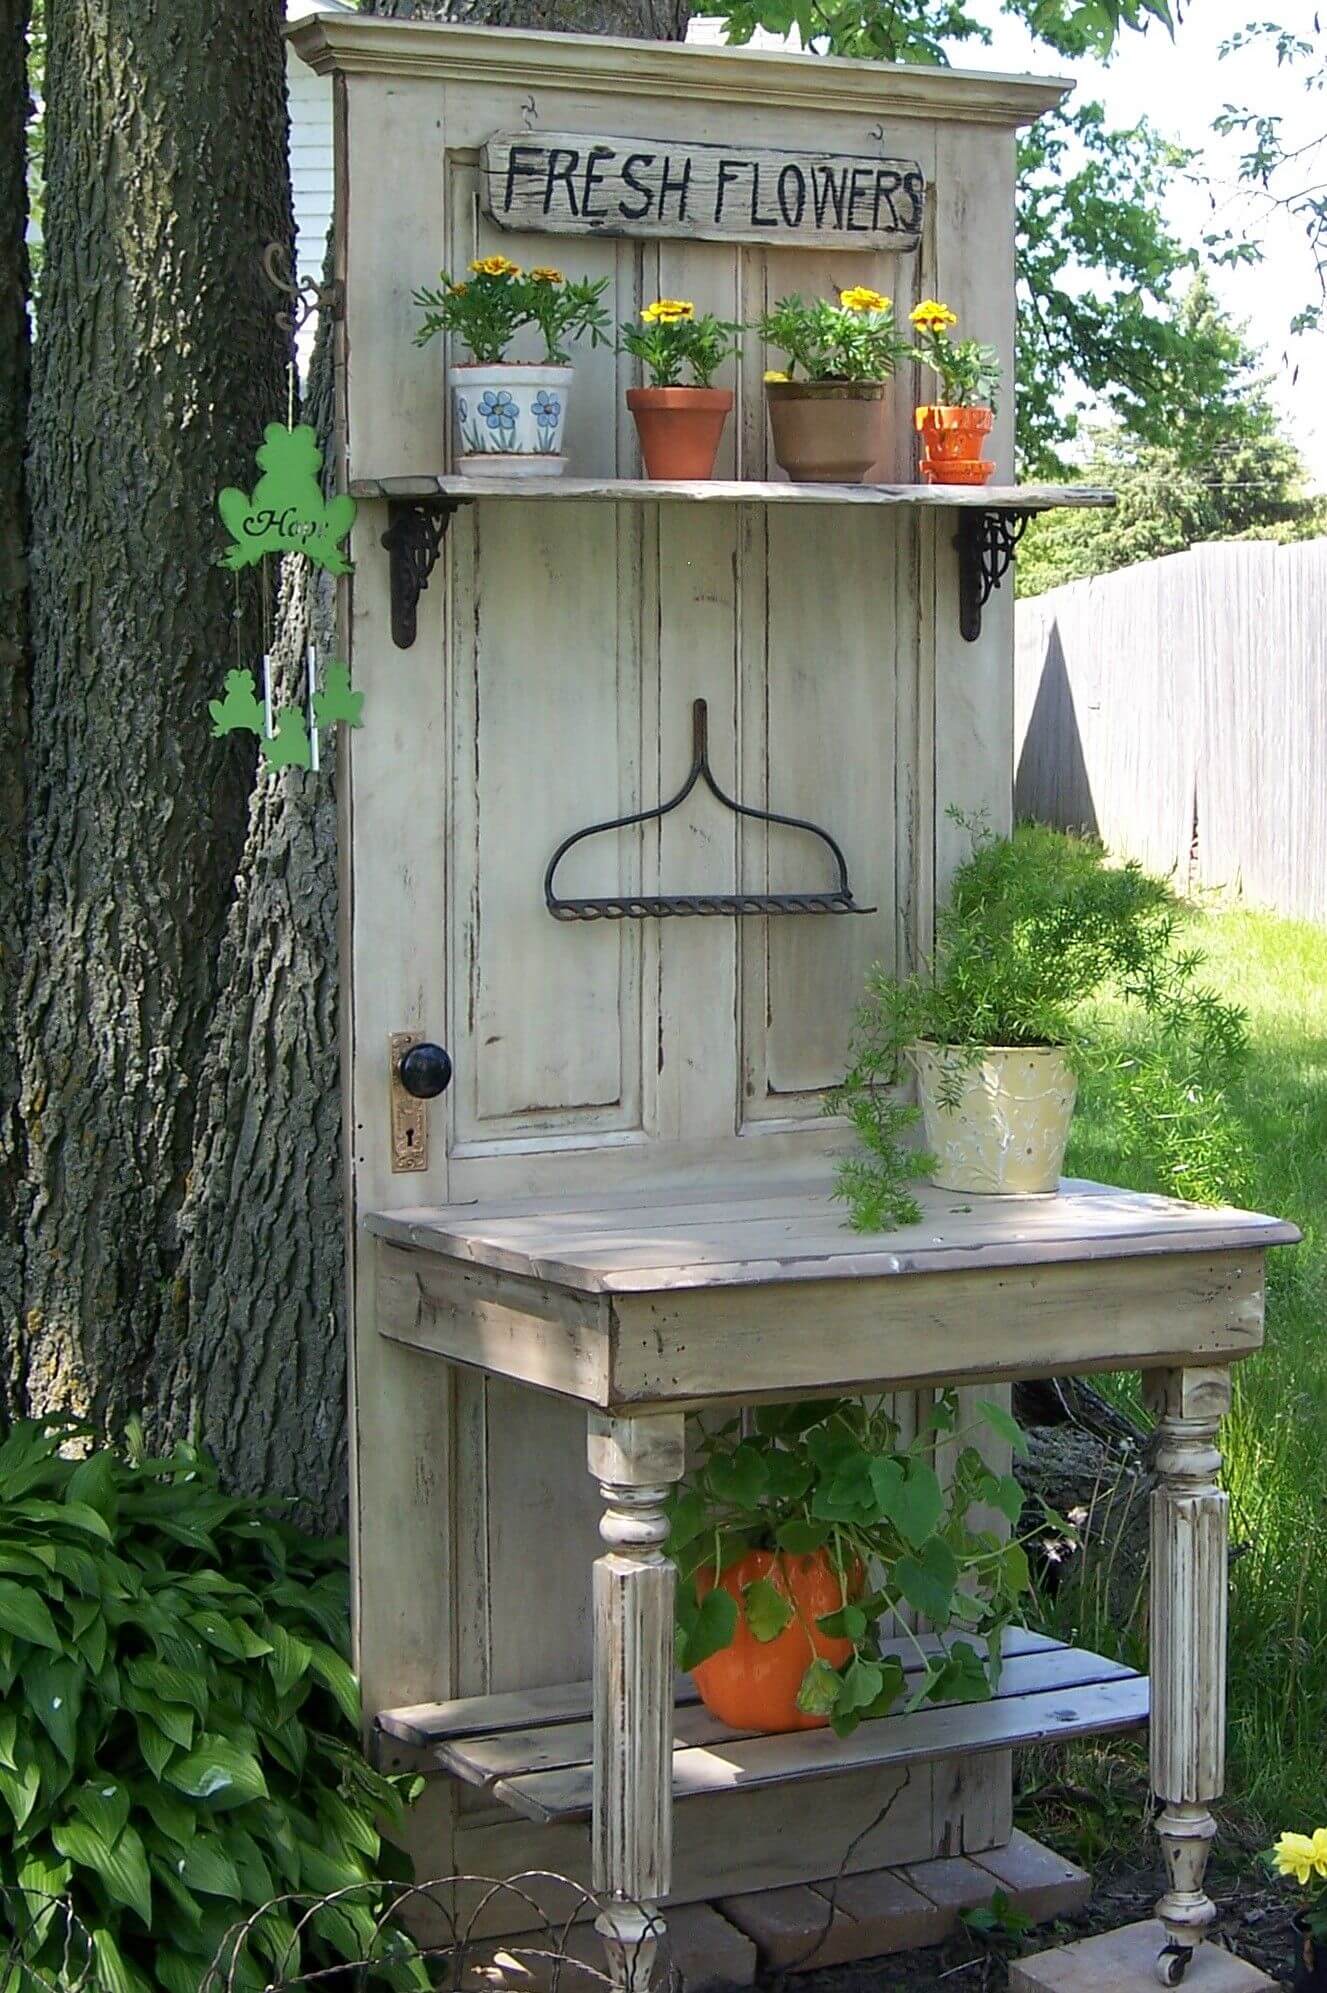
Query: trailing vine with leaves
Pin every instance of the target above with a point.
(835, 1476)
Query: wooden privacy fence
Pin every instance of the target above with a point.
(1179, 709)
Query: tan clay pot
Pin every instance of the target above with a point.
(828, 432)
(1009, 1130)
(679, 428)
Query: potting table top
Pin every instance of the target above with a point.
(672, 1296)
(741, 1232)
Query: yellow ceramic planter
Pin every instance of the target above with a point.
(1008, 1131)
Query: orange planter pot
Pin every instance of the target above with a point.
(752, 1684)
(679, 428)
(952, 440)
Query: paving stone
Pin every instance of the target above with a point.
(708, 1949)
(1043, 1883)
(889, 1914)
(704, 1947)
(793, 1929)
(1124, 1961)
(953, 1884)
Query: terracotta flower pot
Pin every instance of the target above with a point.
(952, 441)
(752, 1684)
(679, 429)
(827, 432)
(1009, 1129)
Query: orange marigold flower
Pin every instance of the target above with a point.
(862, 298)
(932, 316)
(668, 311)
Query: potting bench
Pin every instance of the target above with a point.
(617, 1212)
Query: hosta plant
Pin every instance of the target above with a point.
(836, 1476)
(178, 1723)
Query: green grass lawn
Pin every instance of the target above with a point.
(1275, 1440)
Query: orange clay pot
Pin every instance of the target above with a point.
(752, 1684)
(679, 428)
(952, 440)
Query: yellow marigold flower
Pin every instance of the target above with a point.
(773, 374)
(458, 290)
(495, 266)
(545, 274)
(1320, 1851)
(668, 311)
(932, 316)
(862, 298)
(1295, 1854)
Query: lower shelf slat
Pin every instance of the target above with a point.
(563, 1746)
(927, 1735)
(543, 1768)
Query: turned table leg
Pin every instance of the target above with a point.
(635, 1462)
(1188, 1667)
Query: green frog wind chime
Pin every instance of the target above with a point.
(287, 513)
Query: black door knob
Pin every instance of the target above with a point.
(425, 1070)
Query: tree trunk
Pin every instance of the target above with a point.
(159, 362)
(14, 357)
(262, 1374)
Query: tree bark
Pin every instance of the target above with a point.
(14, 375)
(158, 363)
(262, 1375)
(641, 20)
(261, 1370)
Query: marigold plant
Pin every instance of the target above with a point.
(673, 339)
(853, 339)
(968, 372)
(498, 299)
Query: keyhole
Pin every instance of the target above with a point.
(410, 1138)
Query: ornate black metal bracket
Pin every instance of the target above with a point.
(660, 906)
(306, 295)
(986, 541)
(416, 529)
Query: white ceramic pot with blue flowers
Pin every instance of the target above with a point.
(510, 418)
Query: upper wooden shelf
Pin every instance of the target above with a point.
(645, 491)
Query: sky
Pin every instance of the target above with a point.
(1179, 86)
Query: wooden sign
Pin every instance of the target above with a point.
(573, 183)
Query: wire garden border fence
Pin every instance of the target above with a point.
(453, 1925)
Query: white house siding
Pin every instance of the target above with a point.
(310, 101)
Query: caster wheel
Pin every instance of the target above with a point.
(1172, 1964)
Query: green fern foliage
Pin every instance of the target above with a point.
(1039, 928)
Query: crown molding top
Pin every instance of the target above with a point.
(357, 45)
